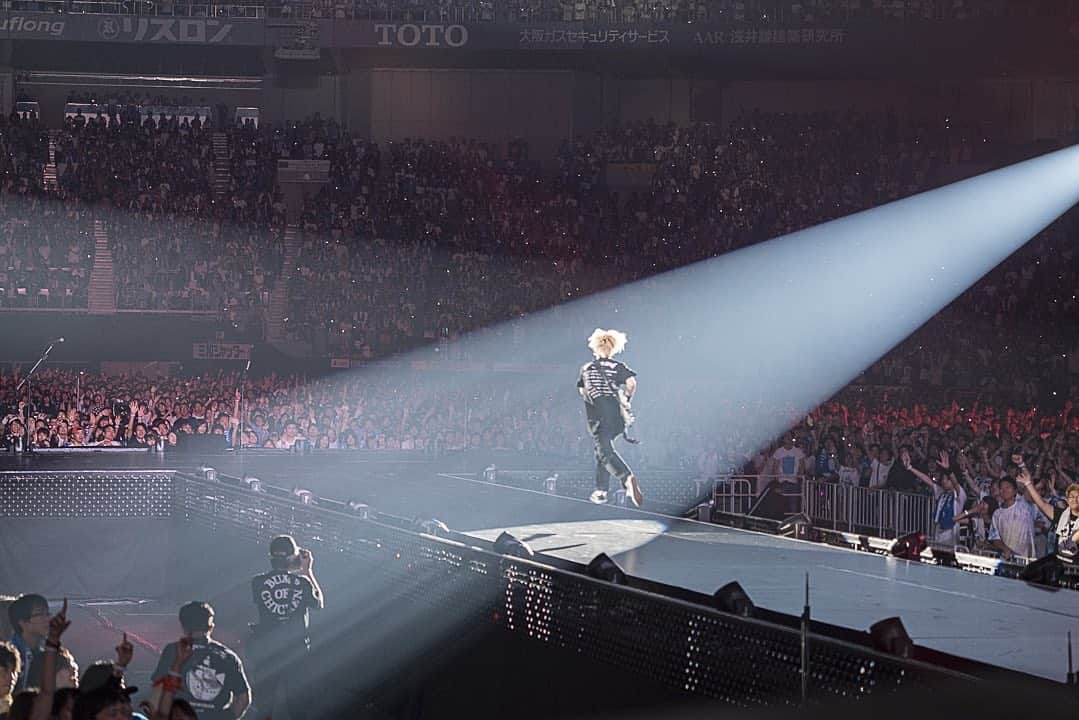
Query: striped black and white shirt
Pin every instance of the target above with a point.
(591, 378)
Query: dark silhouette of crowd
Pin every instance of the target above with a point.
(417, 242)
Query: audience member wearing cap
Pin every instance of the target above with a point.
(105, 674)
(284, 597)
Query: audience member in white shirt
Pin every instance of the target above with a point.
(879, 468)
(1012, 532)
(980, 519)
(949, 499)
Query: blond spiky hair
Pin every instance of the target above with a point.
(606, 343)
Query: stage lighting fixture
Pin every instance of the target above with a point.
(603, 568)
(253, 484)
(889, 636)
(506, 544)
(731, 598)
(359, 508)
(432, 526)
(909, 547)
(305, 496)
(208, 473)
(945, 557)
(1045, 571)
(796, 526)
(550, 484)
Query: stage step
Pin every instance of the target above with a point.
(102, 290)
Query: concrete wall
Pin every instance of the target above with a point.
(491, 105)
(294, 97)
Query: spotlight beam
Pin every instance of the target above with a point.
(764, 334)
(789, 321)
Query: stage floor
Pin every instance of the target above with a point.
(994, 620)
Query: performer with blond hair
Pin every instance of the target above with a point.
(607, 386)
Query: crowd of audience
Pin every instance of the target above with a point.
(196, 677)
(45, 244)
(417, 241)
(859, 439)
(970, 460)
(71, 410)
(427, 240)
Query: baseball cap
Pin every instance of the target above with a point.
(283, 546)
(102, 675)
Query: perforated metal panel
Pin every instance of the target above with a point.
(685, 646)
(102, 494)
(688, 647)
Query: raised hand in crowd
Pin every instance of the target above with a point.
(58, 624)
(124, 652)
(173, 681)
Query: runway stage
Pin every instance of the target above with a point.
(995, 620)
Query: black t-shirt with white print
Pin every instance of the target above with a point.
(591, 378)
(1065, 528)
(283, 600)
(212, 678)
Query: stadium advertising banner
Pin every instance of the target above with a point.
(133, 29)
(838, 40)
(221, 351)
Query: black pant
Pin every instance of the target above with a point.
(279, 664)
(605, 424)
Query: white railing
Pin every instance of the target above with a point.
(884, 513)
(733, 493)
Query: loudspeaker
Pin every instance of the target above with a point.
(204, 444)
(889, 636)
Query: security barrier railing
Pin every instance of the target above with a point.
(734, 493)
(882, 513)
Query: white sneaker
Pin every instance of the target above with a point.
(599, 497)
(633, 490)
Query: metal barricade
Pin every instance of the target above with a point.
(913, 513)
(824, 503)
(882, 513)
(733, 493)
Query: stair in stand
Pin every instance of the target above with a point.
(277, 312)
(222, 168)
(48, 173)
(102, 291)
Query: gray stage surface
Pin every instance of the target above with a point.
(995, 620)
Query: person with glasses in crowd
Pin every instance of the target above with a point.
(29, 616)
